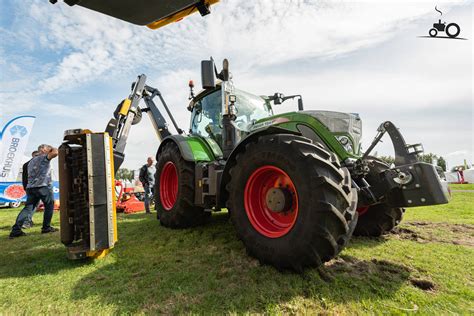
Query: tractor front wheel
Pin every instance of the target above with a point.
(174, 190)
(291, 202)
(377, 219)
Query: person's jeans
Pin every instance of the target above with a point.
(148, 196)
(33, 196)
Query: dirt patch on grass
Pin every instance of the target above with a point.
(360, 269)
(422, 284)
(424, 232)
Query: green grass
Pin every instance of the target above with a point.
(467, 186)
(206, 270)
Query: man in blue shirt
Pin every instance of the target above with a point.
(39, 187)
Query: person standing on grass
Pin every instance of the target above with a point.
(24, 179)
(147, 178)
(39, 187)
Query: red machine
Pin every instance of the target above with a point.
(127, 202)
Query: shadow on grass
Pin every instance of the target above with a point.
(33, 255)
(206, 270)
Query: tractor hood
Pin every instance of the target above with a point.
(341, 124)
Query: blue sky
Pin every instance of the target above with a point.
(70, 66)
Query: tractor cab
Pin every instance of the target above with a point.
(207, 112)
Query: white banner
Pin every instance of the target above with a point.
(13, 140)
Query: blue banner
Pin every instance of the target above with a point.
(13, 191)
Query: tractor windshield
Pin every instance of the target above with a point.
(249, 108)
(206, 119)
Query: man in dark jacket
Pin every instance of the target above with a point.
(24, 179)
(39, 187)
(147, 178)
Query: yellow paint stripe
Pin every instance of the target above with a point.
(114, 210)
(177, 16)
(125, 107)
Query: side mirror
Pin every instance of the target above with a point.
(300, 104)
(207, 74)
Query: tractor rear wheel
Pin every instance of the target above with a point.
(291, 202)
(174, 190)
(378, 219)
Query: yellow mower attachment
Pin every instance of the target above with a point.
(86, 178)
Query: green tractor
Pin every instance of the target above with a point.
(297, 185)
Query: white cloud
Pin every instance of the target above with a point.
(252, 34)
(457, 153)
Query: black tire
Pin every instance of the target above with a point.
(379, 218)
(183, 212)
(433, 32)
(326, 206)
(453, 35)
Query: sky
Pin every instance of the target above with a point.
(70, 66)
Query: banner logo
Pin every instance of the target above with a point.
(19, 130)
(13, 140)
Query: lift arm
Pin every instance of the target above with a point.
(129, 113)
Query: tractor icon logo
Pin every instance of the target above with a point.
(18, 130)
(452, 30)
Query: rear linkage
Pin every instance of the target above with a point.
(409, 183)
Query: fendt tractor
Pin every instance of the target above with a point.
(297, 185)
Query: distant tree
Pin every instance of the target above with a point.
(428, 158)
(124, 174)
(442, 163)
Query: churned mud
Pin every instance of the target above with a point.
(424, 232)
(361, 269)
(382, 272)
(422, 284)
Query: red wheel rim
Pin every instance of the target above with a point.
(168, 185)
(362, 210)
(269, 223)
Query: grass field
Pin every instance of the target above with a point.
(426, 265)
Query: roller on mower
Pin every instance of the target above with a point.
(297, 185)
